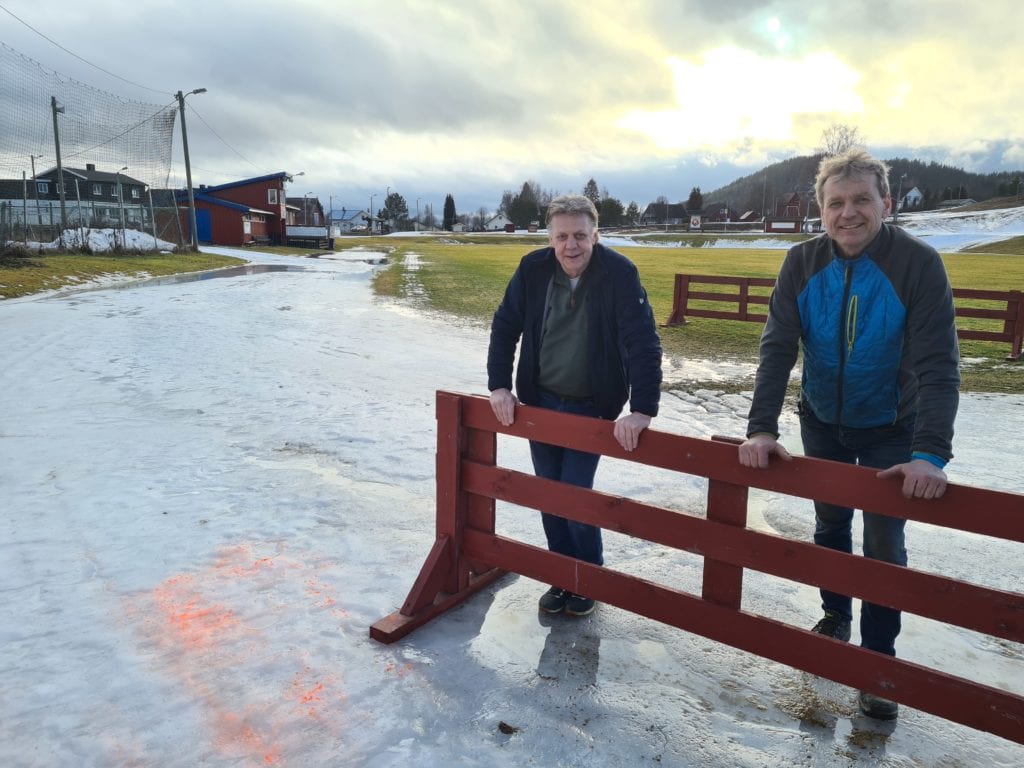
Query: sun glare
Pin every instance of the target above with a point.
(719, 102)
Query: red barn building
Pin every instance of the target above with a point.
(240, 212)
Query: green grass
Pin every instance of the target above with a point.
(466, 276)
(24, 275)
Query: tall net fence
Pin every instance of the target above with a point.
(95, 129)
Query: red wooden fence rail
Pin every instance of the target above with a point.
(1012, 314)
(467, 554)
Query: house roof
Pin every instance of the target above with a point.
(671, 210)
(347, 214)
(89, 174)
(247, 182)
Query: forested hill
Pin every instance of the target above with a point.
(937, 182)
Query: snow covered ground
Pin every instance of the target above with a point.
(212, 487)
(100, 240)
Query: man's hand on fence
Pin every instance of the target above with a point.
(503, 403)
(755, 450)
(921, 479)
(627, 429)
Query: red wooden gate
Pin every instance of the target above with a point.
(467, 554)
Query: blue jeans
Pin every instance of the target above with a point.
(878, 447)
(567, 537)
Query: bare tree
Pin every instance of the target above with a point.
(838, 138)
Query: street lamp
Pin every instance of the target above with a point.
(418, 213)
(120, 204)
(305, 209)
(899, 198)
(188, 168)
(370, 222)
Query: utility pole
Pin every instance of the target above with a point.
(60, 168)
(188, 167)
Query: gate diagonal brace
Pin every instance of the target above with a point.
(427, 599)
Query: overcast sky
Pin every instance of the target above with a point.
(649, 97)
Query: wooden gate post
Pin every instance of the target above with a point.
(447, 577)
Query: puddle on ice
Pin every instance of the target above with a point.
(191, 277)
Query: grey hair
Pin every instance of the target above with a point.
(571, 205)
(852, 162)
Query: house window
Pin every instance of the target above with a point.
(272, 196)
(113, 190)
(42, 187)
(135, 193)
(97, 189)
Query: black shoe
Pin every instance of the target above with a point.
(554, 600)
(877, 707)
(833, 625)
(578, 605)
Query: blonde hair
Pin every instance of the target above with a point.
(852, 162)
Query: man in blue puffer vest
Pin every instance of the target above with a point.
(872, 309)
(588, 346)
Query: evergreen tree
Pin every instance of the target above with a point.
(449, 212)
(523, 209)
(632, 213)
(695, 202)
(610, 212)
(590, 190)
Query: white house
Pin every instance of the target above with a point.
(497, 223)
(345, 220)
(911, 200)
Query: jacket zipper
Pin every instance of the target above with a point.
(844, 332)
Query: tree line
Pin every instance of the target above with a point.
(756, 192)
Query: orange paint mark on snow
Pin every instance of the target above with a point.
(232, 634)
(401, 671)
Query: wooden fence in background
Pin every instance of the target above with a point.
(737, 305)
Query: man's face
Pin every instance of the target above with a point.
(852, 211)
(573, 236)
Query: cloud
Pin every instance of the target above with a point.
(432, 97)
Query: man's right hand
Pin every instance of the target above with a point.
(756, 449)
(503, 403)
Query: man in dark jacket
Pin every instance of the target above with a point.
(872, 309)
(588, 345)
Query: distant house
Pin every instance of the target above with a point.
(305, 211)
(92, 198)
(796, 205)
(672, 214)
(955, 203)
(719, 211)
(239, 212)
(497, 223)
(347, 220)
(910, 200)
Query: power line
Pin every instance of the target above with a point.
(72, 53)
(196, 113)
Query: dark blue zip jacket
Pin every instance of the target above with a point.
(878, 338)
(623, 348)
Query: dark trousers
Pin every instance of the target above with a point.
(878, 447)
(567, 537)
